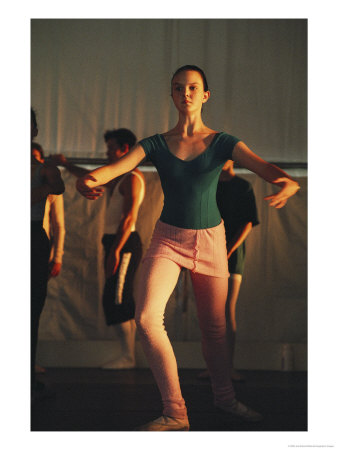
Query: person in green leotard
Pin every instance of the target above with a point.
(190, 233)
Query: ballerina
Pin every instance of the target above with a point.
(190, 233)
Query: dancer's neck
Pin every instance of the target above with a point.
(190, 125)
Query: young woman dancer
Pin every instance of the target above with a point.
(190, 233)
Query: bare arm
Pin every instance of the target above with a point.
(269, 172)
(58, 232)
(53, 184)
(88, 185)
(60, 160)
(239, 238)
(132, 189)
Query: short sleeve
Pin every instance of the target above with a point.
(149, 146)
(226, 143)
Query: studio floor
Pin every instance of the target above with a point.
(100, 400)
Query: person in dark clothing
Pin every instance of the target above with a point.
(45, 180)
(121, 242)
(237, 205)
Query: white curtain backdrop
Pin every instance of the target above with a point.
(93, 75)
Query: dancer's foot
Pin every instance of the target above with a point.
(237, 409)
(165, 423)
(121, 363)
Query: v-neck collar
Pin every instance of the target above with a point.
(184, 160)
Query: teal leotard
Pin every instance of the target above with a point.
(189, 187)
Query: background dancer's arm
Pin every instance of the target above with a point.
(131, 188)
(60, 160)
(57, 220)
(269, 172)
(88, 185)
(239, 238)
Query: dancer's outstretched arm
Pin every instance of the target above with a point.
(60, 160)
(269, 172)
(88, 184)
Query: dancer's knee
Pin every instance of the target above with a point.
(148, 323)
(214, 332)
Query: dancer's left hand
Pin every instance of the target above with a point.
(289, 188)
(84, 186)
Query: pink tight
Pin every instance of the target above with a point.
(157, 281)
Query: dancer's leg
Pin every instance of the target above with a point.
(126, 336)
(39, 279)
(157, 280)
(126, 332)
(118, 299)
(230, 315)
(211, 295)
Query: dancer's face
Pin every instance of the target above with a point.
(114, 150)
(187, 91)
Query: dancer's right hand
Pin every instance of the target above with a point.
(83, 185)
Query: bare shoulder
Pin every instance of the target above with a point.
(132, 181)
(139, 174)
(170, 135)
(133, 176)
(169, 132)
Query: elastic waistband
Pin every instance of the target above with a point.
(164, 225)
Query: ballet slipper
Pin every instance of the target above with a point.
(239, 410)
(120, 363)
(165, 423)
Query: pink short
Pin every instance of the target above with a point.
(201, 251)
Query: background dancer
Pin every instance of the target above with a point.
(122, 244)
(45, 180)
(54, 226)
(190, 233)
(237, 206)
(53, 222)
